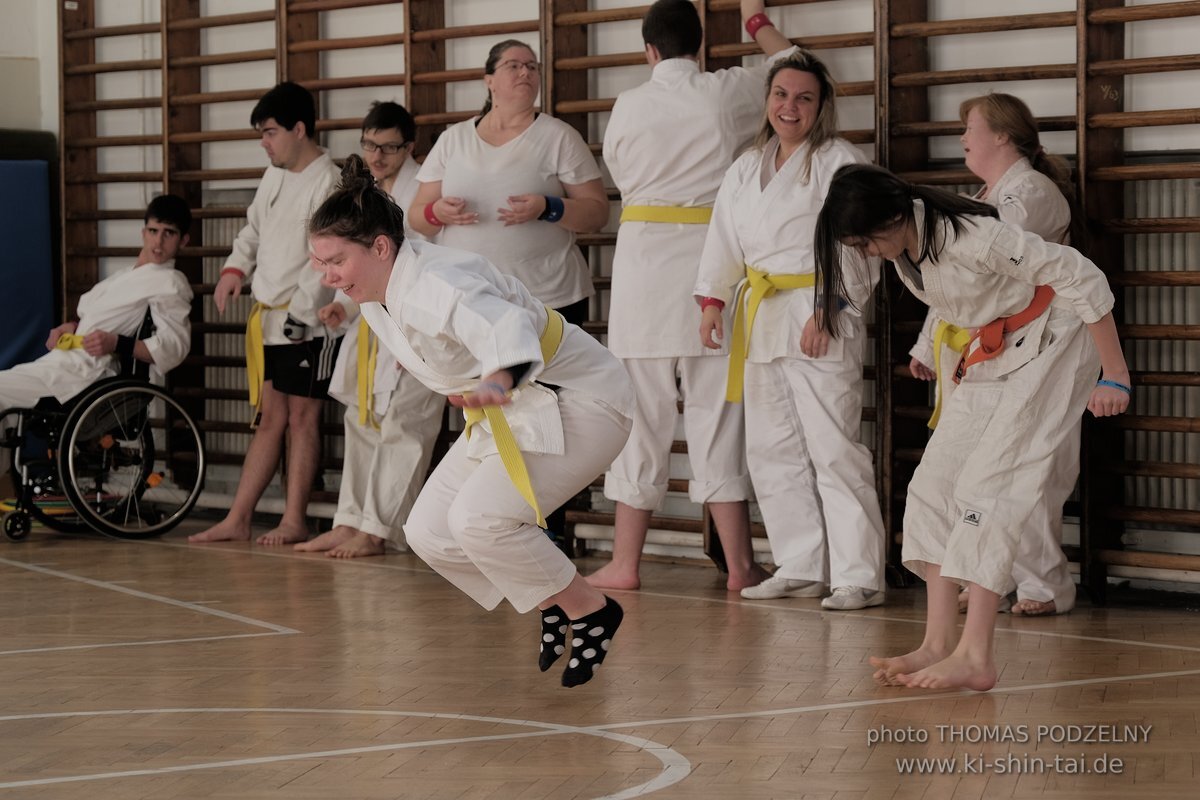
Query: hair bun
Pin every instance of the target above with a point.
(356, 176)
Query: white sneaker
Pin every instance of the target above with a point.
(776, 587)
(851, 598)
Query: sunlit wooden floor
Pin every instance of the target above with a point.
(163, 670)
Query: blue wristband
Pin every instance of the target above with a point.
(554, 209)
(492, 385)
(1115, 385)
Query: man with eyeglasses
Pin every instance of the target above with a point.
(391, 419)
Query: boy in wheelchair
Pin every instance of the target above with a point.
(133, 323)
(103, 342)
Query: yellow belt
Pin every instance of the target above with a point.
(684, 215)
(759, 286)
(255, 360)
(506, 443)
(368, 354)
(69, 341)
(956, 339)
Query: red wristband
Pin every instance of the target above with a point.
(240, 274)
(705, 302)
(756, 23)
(431, 217)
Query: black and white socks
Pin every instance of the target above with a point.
(554, 637)
(590, 638)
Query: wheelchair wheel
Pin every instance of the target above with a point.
(16, 525)
(41, 496)
(131, 460)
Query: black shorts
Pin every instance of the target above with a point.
(302, 369)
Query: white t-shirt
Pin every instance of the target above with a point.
(549, 153)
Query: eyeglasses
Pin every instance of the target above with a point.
(516, 66)
(389, 149)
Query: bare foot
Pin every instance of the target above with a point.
(887, 669)
(956, 671)
(964, 598)
(328, 540)
(361, 544)
(1033, 608)
(754, 577)
(283, 534)
(611, 576)
(226, 530)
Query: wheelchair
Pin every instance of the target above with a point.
(122, 458)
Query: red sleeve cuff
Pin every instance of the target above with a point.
(705, 302)
(240, 274)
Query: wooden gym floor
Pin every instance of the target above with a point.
(163, 670)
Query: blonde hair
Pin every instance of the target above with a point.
(824, 129)
(1009, 116)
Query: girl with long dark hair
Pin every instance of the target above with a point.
(1044, 332)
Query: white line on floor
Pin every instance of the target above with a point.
(675, 766)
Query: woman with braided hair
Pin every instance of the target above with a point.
(479, 337)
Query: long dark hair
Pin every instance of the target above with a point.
(358, 210)
(489, 66)
(1008, 115)
(864, 201)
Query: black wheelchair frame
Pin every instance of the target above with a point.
(122, 457)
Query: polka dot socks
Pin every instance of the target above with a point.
(554, 637)
(590, 638)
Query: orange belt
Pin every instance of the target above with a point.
(991, 336)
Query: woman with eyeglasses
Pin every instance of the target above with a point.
(515, 185)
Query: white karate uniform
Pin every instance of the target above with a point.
(383, 468)
(271, 250)
(118, 305)
(668, 142)
(549, 153)
(814, 481)
(451, 317)
(989, 463)
(1031, 201)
